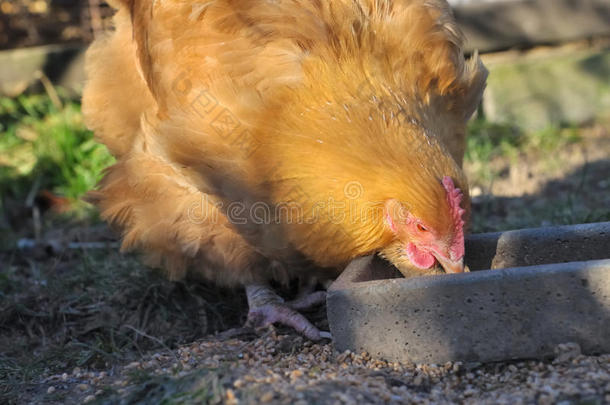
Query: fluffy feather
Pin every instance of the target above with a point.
(295, 110)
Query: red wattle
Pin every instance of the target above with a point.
(419, 258)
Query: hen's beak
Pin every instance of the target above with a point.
(451, 266)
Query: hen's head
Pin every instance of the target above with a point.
(426, 235)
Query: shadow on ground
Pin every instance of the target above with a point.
(582, 196)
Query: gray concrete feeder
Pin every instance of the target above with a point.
(546, 286)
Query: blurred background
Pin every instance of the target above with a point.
(538, 155)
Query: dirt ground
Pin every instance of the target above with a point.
(123, 334)
(540, 188)
(40, 22)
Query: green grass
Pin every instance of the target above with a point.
(47, 146)
(487, 141)
(575, 196)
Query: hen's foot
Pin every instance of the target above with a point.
(266, 307)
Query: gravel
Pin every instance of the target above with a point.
(280, 368)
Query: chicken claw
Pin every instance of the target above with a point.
(308, 300)
(266, 307)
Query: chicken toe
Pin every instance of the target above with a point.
(266, 307)
(308, 300)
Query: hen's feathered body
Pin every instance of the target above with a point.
(261, 139)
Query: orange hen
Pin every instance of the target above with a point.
(267, 140)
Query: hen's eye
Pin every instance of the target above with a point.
(421, 228)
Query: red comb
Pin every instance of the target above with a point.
(454, 198)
